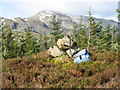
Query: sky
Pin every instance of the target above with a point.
(26, 8)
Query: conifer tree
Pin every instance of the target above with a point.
(30, 43)
(118, 29)
(75, 33)
(43, 42)
(79, 35)
(21, 50)
(56, 27)
(94, 32)
(115, 38)
(106, 39)
(83, 35)
(9, 44)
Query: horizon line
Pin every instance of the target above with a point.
(61, 13)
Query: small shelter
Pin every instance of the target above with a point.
(81, 56)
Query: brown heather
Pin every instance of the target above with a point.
(43, 71)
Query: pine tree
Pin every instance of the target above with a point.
(21, 50)
(75, 33)
(106, 39)
(94, 32)
(79, 35)
(89, 29)
(114, 43)
(118, 29)
(43, 42)
(56, 27)
(9, 44)
(83, 35)
(30, 43)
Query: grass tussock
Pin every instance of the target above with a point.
(43, 71)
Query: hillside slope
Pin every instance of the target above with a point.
(40, 22)
(43, 71)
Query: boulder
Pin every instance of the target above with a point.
(73, 50)
(55, 51)
(65, 43)
(70, 52)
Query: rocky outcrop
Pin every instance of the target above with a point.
(55, 51)
(65, 44)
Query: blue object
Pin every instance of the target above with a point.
(81, 56)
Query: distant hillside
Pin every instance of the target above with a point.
(40, 22)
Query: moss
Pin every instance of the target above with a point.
(67, 65)
(61, 59)
(53, 60)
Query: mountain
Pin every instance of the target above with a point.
(40, 22)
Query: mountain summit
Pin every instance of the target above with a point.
(40, 22)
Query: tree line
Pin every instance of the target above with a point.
(95, 36)
(90, 36)
(28, 44)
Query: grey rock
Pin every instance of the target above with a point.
(65, 43)
(55, 51)
(70, 52)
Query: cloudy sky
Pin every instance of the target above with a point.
(26, 8)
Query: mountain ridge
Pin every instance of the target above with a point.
(40, 22)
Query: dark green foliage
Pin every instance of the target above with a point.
(22, 47)
(115, 39)
(118, 34)
(16, 45)
(94, 32)
(56, 27)
(30, 44)
(79, 35)
(95, 37)
(43, 42)
(9, 44)
(106, 38)
(25, 45)
(109, 39)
